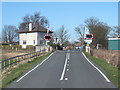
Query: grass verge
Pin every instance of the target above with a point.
(112, 72)
(17, 72)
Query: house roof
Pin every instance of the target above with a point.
(41, 29)
(113, 38)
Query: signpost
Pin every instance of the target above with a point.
(88, 40)
(47, 37)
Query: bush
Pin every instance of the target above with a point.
(4, 44)
(17, 46)
(11, 47)
(107, 55)
(30, 47)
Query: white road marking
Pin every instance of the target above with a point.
(67, 64)
(68, 55)
(34, 68)
(67, 69)
(96, 68)
(68, 61)
(68, 50)
(66, 78)
(62, 76)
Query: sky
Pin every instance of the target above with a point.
(69, 14)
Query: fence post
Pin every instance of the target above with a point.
(4, 64)
(34, 54)
(9, 62)
(14, 63)
(29, 57)
(9, 65)
(18, 60)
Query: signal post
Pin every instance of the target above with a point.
(88, 40)
(47, 37)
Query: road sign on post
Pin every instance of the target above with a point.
(88, 40)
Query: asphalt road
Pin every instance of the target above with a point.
(64, 69)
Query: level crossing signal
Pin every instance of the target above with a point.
(47, 37)
(89, 36)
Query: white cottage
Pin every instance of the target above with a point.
(32, 36)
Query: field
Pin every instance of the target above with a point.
(7, 51)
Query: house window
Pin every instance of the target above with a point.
(24, 41)
(33, 41)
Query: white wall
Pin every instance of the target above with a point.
(29, 37)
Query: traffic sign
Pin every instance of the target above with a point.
(88, 41)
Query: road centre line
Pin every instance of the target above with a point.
(67, 64)
(66, 78)
(67, 69)
(62, 76)
(34, 68)
(68, 61)
(96, 68)
(68, 55)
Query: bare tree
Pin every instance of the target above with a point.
(36, 19)
(80, 32)
(99, 29)
(62, 34)
(9, 34)
(115, 31)
(67, 43)
(91, 23)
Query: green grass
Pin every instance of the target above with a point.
(112, 72)
(17, 72)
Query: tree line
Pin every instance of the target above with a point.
(99, 29)
(10, 32)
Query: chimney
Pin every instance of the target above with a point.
(30, 26)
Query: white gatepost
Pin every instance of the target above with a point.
(88, 49)
(88, 41)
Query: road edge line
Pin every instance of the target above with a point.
(97, 68)
(35, 67)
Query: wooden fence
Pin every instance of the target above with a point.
(10, 63)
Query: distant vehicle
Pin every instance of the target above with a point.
(76, 47)
(67, 47)
(59, 47)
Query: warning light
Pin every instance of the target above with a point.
(89, 36)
